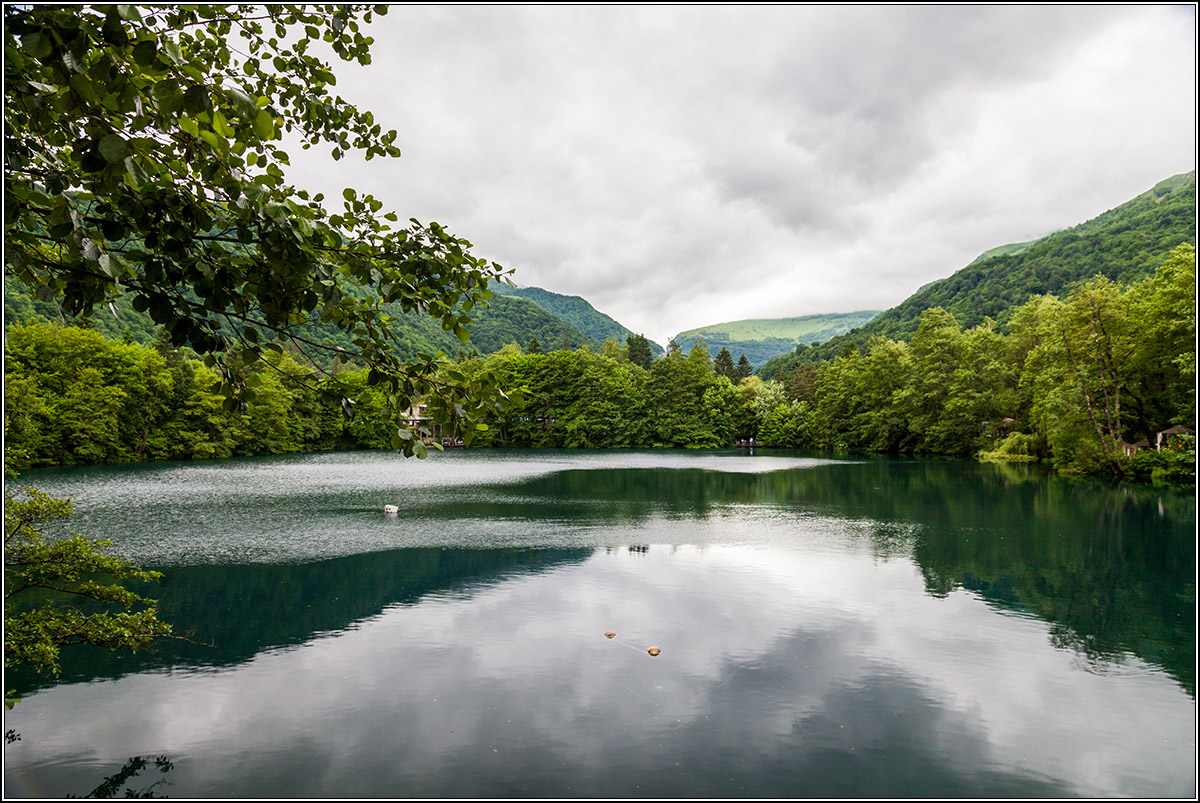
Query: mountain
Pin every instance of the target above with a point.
(506, 320)
(760, 339)
(1125, 244)
(573, 311)
(512, 319)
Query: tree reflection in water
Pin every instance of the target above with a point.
(111, 785)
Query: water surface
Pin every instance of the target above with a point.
(851, 627)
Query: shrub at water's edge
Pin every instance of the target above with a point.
(1016, 447)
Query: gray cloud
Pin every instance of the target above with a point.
(683, 166)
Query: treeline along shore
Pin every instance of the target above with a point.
(1099, 381)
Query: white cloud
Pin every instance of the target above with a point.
(683, 166)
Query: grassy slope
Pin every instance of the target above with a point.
(761, 339)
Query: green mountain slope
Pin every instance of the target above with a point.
(1124, 244)
(760, 339)
(511, 319)
(507, 320)
(573, 311)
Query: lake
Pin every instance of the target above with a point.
(850, 627)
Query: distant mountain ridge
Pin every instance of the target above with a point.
(574, 311)
(514, 315)
(505, 320)
(1125, 244)
(760, 339)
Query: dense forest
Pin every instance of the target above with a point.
(1086, 382)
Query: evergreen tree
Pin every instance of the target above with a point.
(534, 346)
(723, 364)
(744, 368)
(639, 350)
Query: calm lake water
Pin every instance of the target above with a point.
(829, 628)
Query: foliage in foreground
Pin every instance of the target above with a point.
(59, 574)
(142, 160)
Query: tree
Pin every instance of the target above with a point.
(1078, 371)
(744, 369)
(614, 350)
(723, 364)
(937, 354)
(1162, 309)
(787, 426)
(142, 158)
(801, 382)
(861, 399)
(639, 350)
(66, 567)
(534, 346)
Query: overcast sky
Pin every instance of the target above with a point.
(683, 166)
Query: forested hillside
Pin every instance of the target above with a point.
(1124, 244)
(573, 311)
(520, 320)
(507, 320)
(761, 339)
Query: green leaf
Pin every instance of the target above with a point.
(264, 124)
(242, 102)
(220, 125)
(196, 100)
(172, 51)
(114, 148)
(136, 173)
(145, 52)
(36, 44)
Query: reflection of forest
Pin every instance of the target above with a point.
(1110, 567)
(245, 609)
